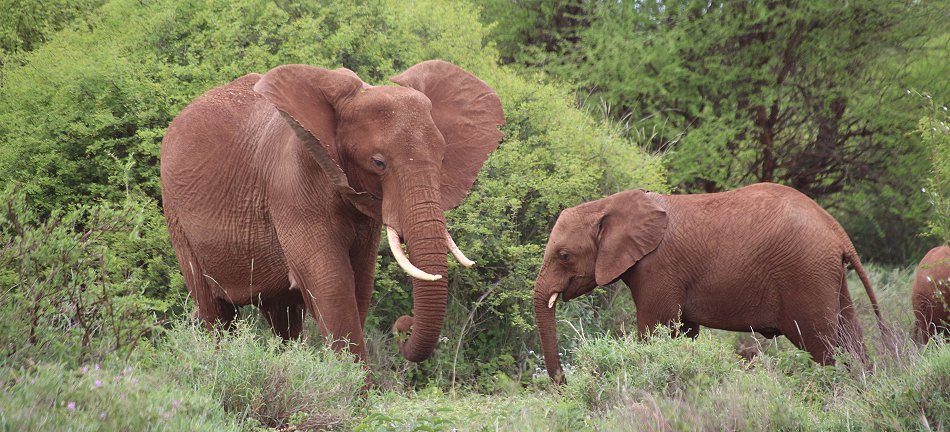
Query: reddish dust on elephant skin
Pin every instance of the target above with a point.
(764, 257)
(275, 188)
(930, 296)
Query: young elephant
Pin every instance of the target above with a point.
(764, 258)
(931, 294)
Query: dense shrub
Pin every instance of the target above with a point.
(26, 25)
(75, 286)
(608, 368)
(258, 378)
(97, 398)
(935, 131)
(914, 397)
(192, 380)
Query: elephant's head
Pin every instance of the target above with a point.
(402, 155)
(592, 245)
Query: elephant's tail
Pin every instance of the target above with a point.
(852, 256)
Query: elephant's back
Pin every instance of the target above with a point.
(207, 142)
(759, 213)
(210, 119)
(755, 234)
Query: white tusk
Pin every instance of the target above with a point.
(552, 300)
(396, 247)
(459, 256)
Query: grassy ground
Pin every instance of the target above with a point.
(247, 380)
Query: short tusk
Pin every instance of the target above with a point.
(552, 300)
(456, 252)
(396, 247)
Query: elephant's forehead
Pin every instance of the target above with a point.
(389, 101)
(573, 224)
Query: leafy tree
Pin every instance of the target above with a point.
(935, 131)
(808, 94)
(25, 25)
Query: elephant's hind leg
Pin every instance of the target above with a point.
(849, 334)
(285, 315)
(815, 337)
(212, 311)
(690, 329)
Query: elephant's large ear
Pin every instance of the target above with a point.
(632, 226)
(307, 98)
(467, 112)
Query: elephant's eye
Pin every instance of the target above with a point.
(378, 162)
(563, 256)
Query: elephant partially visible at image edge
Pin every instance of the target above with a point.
(930, 295)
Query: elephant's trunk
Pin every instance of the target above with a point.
(424, 231)
(544, 314)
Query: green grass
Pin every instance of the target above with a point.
(189, 379)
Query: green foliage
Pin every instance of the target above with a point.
(935, 131)
(258, 378)
(662, 365)
(94, 398)
(808, 94)
(917, 397)
(26, 25)
(435, 411)
(678, 384)
(73, 289)
(191, 380)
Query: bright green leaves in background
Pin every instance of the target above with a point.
(935, 131)
(810, 94)
(81, 121)
(87, 89)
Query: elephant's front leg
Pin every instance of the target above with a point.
(329, 291)
(660, 301)
(363, 255)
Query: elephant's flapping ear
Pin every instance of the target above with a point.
(467, 112)
(307, 97)
(632, 226)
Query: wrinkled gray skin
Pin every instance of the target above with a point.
(763, 258)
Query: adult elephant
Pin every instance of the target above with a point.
(931, 294)
(762, 258)
(275, 188)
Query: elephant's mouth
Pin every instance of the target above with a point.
(573, 288)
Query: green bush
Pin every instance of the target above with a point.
(934, 129)
(94, 398)
(608, 369)
(26, 25)
(74, 290)
(432, 410)
(807, 94)
(915, 396)
(258, 378)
